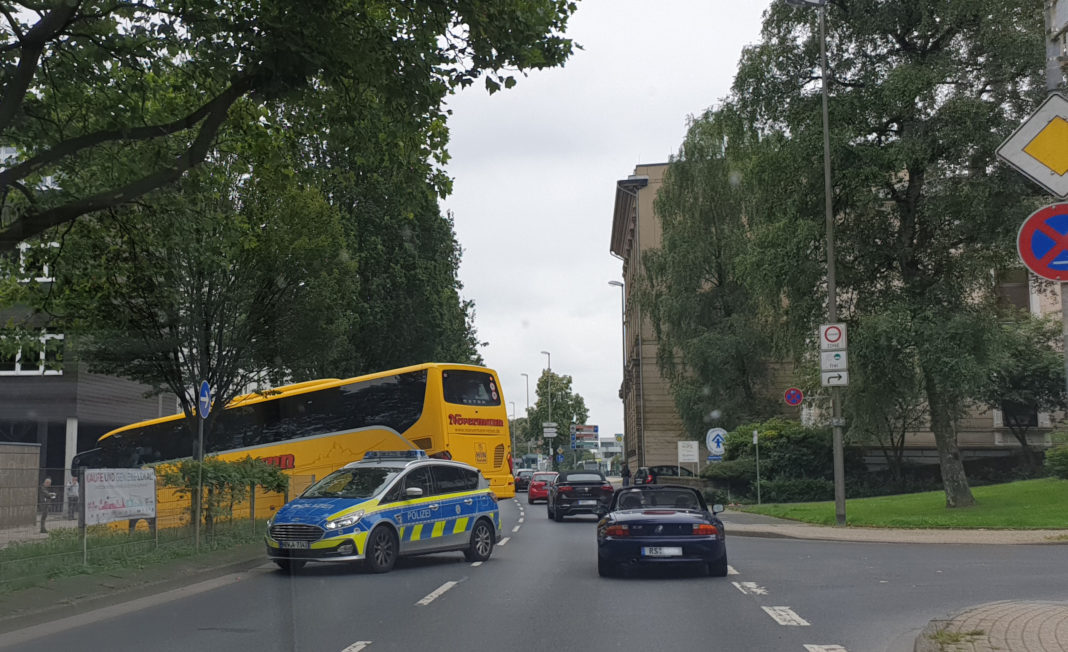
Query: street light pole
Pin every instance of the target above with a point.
(623, 330)
(526, 377)
(549, 399)
(832, 290)
(512, 403)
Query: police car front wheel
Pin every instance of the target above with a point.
(381, 550)
(481, 545)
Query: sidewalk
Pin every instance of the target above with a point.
(1008, 626)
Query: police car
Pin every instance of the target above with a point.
(386, 505)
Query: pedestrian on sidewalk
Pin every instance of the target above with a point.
(625, 473)
(72, 497)
(45, 496)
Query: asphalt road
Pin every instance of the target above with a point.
(540, 591)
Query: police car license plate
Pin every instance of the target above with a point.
(656, 551)
(295, 545)
(587, 502)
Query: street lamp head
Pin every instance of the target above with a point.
(618, 284)
(545, 353)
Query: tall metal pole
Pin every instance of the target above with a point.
(200, 478)
(1054, 81)
(549, 399)
(832, 290)
(512, 403)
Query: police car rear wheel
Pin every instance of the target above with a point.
(381, 550)
(481, 545)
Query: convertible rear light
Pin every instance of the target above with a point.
(705, 529)
(617, 531)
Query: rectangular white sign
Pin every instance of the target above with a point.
(688, 451)
(833, 337)
(834, 360)
(834, 378)
(118, 495)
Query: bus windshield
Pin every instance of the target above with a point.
(352, 483)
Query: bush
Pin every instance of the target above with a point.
(796, 490)
(1057, 462)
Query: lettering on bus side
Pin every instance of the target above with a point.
(461, 420)
(281, 461)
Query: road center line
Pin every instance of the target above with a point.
(516, 529)
(785, 616)
(825, 648)
(731, 571)
(503, 541)
(357, 646)
(520, 519)
(437, 593)
(476, 564)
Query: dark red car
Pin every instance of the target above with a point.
(539, 486)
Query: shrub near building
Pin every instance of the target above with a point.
(1057, 462)
(796, 463)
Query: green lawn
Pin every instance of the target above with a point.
(1024, 505)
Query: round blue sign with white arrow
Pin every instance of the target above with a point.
(205, 399)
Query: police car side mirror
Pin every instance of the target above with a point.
(413, 492)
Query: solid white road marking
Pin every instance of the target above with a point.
(785, 616)
(503, 541)
(750, 588)
(435, 594)
(515, 529)
(476, 564)
(357, 646)
(825, 648)
(731, 571)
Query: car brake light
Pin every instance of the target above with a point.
(607, 487)
(705, 529)
(564, 489)
(617, 531)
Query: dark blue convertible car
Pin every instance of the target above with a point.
(653, 525)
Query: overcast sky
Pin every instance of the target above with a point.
(534, 172)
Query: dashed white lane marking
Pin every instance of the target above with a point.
(731, 571)
(750, 588)
(825, 648)
(515, 529)
(785, 616)
(357, 646)
(503, 541)
(520, 519)
(435, 594)
(476, 564)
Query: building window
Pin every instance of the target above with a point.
(1019, 415)
(34, 356)
(1012, 289)
(35, 261)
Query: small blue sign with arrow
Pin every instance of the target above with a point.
(205, 400)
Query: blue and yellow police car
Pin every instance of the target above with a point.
(389, 504)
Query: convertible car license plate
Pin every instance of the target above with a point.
(295, 545)
(655, 551)
(587, 502)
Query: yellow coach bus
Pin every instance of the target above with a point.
(451, 411)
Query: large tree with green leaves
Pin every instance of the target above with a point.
(230, 277)
(921, 95)
(111, 99)
(711, 346)
(559, 404)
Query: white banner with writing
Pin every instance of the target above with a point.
(687, 451)
(118, 495)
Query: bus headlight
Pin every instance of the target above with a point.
(348, 520)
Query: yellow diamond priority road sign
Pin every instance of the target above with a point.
(1039, 148)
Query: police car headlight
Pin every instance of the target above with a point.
(347, 520)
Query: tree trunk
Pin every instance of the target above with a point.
(954, 481)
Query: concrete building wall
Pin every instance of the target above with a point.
(19, 470)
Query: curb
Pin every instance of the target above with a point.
(925, 639)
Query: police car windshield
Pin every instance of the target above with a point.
(352, 483)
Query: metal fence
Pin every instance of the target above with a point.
(41, 534)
